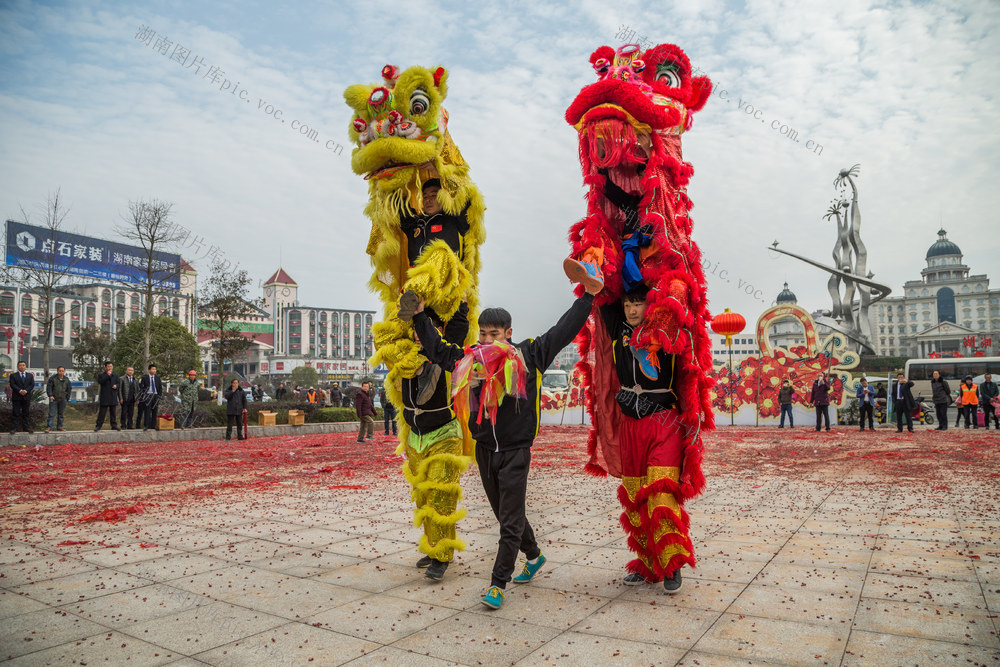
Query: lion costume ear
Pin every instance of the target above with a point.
(356, 96)
(701, 90)
(441, 79)
(605, 52)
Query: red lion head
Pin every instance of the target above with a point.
(637, 95)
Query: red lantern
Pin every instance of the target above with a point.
(728, 324)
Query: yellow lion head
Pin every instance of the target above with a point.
(399, 125)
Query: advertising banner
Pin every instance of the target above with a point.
(40, 247)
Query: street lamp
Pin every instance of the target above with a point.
(729, 324)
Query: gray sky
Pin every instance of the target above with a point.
(905, 89)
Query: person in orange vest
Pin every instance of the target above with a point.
(969, 400)
(311, 395)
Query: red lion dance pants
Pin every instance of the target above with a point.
(652, 450)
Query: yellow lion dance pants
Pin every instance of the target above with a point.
(434, 466)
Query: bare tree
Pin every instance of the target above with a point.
(149, 227)
(45, 274)
(93, 348)
(225, 302)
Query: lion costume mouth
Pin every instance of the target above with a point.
(389, 169)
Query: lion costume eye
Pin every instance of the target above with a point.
(667, 73)
(419, 103)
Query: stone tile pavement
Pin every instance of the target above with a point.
(837, 567)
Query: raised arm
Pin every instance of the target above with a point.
(543, 350)
(435, 347)
(457, 328)
(613, 314)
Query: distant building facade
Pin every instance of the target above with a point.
(786, 332)
(337, 342)
(744, 345)
(105, 306)
(948, 311)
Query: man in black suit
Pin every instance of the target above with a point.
(150, 390)
(108, 396)
(21, 385)
(903, 403)
(128, 390)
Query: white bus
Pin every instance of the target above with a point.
(920, 371)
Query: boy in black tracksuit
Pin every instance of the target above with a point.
(503, 449)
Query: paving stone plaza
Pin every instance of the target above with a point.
(812, 549)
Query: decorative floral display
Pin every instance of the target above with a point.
(755, 382)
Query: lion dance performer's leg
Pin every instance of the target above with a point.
(434, 466)
(437, 453)
(652, 451)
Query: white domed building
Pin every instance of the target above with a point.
(786, 332)
(944, 311)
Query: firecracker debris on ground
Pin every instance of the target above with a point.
(825, 548)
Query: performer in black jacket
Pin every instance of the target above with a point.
(503, 444)
(434, 445)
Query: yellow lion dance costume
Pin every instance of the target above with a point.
(401, 131)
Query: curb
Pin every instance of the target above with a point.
(211, 433)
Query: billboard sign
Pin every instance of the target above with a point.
(39, 248)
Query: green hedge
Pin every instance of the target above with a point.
(333, 415)
(206, 413)
(210, 414)
(38, 413)
(881, 365)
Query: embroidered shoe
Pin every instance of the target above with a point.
(494, 597)
(645, 358)
(529, 571)
(424, 562)
(634, 579)
(673, 584)
(408, 305)
(584, 271)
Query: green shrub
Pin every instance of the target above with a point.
(38, 413)
(84, 408)
(326, 415)
(850, 413)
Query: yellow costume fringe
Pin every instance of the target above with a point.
(397, 167)
(434, 476)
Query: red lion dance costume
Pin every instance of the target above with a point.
(630, 124)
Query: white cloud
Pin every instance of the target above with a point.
(905, 89)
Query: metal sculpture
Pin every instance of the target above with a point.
(849, 314)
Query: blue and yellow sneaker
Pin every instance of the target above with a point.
(494, 597)
(586, 270)
(530, 570)
(646, 360)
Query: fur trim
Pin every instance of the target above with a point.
(610, 91)
(431, 515)
(641, 539)
(639, 567)
(444, 550)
